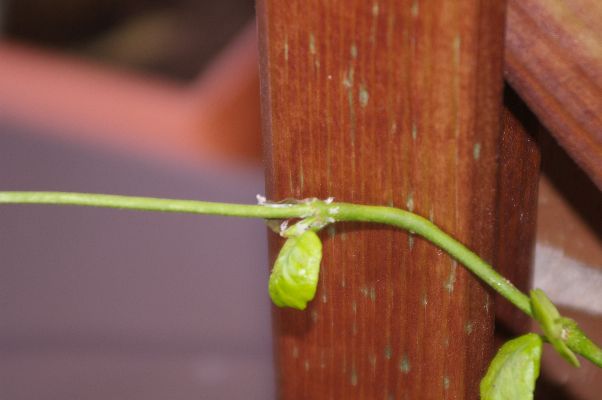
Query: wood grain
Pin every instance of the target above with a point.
(554, 62)
(518, 179)
(386, 102)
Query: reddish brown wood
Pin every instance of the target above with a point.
(386, 102)
(517, 208)
(554, 62)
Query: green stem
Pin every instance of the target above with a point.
(337, 211)
(267, 211)
(425, 228)
(311, 208)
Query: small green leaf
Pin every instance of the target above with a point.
(514, 370)
(551, 323)
(544, 311)
(294, 278)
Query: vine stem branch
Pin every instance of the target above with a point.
(421, 226)
(333, 210)
(328, 211)
(267, 211)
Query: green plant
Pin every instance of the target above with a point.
(513, 371)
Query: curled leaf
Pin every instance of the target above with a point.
(514, 370)
(552, 324)
(294, 278)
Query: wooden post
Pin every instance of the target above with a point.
(554, 61)
(519, 158)
(399, 103)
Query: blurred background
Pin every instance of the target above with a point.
(161, 98)
(134, 97)
(147, 77)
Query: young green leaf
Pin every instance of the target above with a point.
(294, 278)
(514, 369)
(551, 323)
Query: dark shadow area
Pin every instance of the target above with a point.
(567, 177)
(570, 180)
(547, 389)
(171, 37)
(519, 109)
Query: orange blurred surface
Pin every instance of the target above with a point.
(137, 113)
